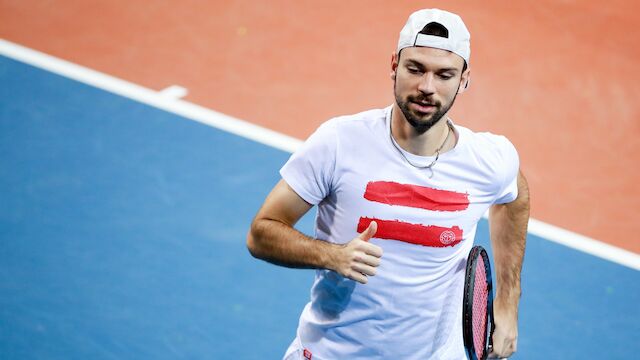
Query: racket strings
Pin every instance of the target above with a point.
(479, 314)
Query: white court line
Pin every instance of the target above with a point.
(148, 96)
(266, 136)
(174, 92)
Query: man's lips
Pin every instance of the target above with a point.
(423, 107)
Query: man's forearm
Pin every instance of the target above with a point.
(273, 238)
(281, 244)
(508, 228)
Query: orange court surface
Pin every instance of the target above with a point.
(558, 78)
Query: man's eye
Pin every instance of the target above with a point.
(445, 76)
(413, 70)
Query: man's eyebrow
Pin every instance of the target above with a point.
(422, 66)
(415, 63)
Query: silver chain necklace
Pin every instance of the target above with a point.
(409, 161)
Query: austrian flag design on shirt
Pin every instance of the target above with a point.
(415, 196)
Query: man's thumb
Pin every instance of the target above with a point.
(370, 231)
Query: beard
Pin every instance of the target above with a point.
(422, 123)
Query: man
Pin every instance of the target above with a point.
(399, 193)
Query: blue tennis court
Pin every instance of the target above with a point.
(122, 236)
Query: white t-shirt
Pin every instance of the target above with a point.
(427, 218)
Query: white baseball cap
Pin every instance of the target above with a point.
(458, 39)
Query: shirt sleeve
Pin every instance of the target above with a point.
(511, 165)
(309, 171)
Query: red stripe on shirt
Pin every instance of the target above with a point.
(431, 235)
(416, 196)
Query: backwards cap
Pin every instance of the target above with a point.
(457, 40)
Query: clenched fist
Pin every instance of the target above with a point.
(505, 336)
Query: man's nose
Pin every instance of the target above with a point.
(427, 84)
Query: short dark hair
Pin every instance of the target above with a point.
(436, 29)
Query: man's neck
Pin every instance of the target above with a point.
(422, 144)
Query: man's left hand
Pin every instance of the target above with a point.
(505, 335)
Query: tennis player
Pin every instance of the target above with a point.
(400, 191)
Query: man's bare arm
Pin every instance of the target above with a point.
(508, 228)
(273, 238)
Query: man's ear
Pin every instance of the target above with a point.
(465, 80)
(394, 65)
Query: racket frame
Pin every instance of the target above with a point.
(467, 303)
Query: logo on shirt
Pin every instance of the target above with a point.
(447, 237)
(307, 354)
(415, 196)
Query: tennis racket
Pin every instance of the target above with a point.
(477, 305)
